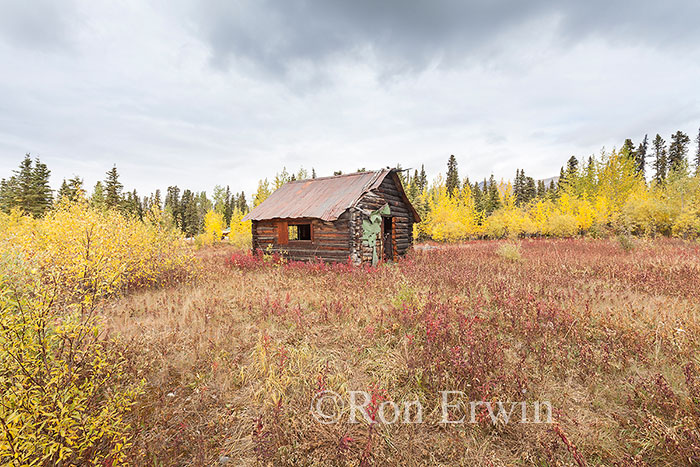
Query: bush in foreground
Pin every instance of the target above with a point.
(64, 387)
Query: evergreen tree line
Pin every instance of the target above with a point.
(28, 189)
(654, 163)
(611, 192)
(487, 194)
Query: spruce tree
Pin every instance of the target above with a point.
(228, 206)
(541, 189)
(423, 178)
(8, 194)
(678, 151)
(40, 186)
(660, 162)
(155, 200)
(452, 182)
(97, 200)
(478, 197)
(494, 197)
(697, 155)
(28, 189)
(640, 156)
(113, 189)
(64, 191)
(130, 204)
(25, 182)
(146, 205)
(173, 206)
(413, 188)
(518, 187)
(72, 190)
(572, 167)
(136, 206)
(561, 182)
(189, 220)
(242, 203)
(530, 191)
(628, 146)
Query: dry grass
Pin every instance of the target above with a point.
(611, 338)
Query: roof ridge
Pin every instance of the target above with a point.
(336, 176)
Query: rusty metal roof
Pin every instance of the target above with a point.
(323, 198)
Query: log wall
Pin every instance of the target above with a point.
(330, 241)
(401, 218)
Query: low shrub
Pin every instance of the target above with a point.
(64, 390)
(562, 225)
(510, 252)
(687, 225)
(626, 242)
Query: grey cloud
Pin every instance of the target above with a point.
(38, 24)
(500, 84)
(411, 35)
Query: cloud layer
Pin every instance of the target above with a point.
(226, 92)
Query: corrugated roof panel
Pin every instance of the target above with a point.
(323, 198)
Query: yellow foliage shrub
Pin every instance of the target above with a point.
(644, 214)
(509, 222)
(451, 218)
(213, 229)
(64, 392)
(540, 212)
(561, 225)
(687, 225)
(63, 389)
(241, 233)
(102, 252)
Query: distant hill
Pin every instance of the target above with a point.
(547, 181)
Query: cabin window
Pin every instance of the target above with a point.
(299, 232)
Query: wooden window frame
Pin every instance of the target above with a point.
(283, 231)
(298, 224)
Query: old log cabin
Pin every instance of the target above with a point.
(361, 217)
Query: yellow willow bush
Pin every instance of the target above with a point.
(509, 222)
(647, 213)
(64, 389)
(451, 218)
(240, 235)
(213, 229)
(687, 224)
(85, 249)
(560, 224)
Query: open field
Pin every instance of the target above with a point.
(605, 331)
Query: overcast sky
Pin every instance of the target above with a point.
(199, 93)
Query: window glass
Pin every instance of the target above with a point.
(300, 232)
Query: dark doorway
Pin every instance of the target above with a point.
(388, 238)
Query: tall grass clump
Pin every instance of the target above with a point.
(510, 252)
